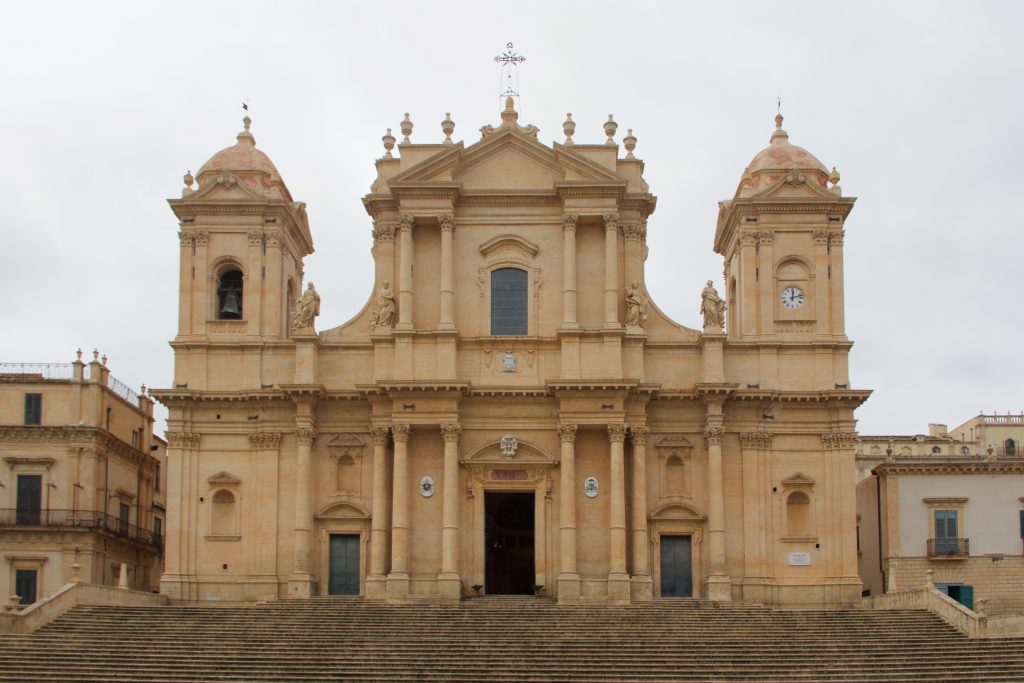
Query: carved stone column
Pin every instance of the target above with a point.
(642, 584)
(398, 579)
(569, 222)
(405, 283)
(300, 583)
(611, 270)
(204, 293)
(276, 308)
(618, 578)
(447, 223)
(757, 521)
(836, 280)
(265, 457)
(568, 578)
(187, 241)
(252, 299)
(376, 581)
(718, 582)
(179, 578)
(449, 581)
(634, 234)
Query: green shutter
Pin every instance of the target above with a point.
(967, 596)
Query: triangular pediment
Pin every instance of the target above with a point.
(796, 186)
(506, 160)
(226, 187)
(224, 478)
(797, 480)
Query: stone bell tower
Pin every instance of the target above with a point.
(242, 243)
(781, 236)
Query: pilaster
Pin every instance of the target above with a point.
(449, 581)
(618, 578)
(642, 584)
(718, 583)
(398, 579)
(300, 582)
(568, 576)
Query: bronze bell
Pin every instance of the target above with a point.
(230, 307)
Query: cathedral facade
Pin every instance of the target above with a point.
(510, 412)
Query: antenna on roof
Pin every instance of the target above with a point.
(778, 100)
(510, 61)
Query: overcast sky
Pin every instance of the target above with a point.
(919, 105)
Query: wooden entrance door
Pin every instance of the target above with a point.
(344, 565)
(676, 567)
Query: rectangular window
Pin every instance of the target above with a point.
(158, 527)
(508, 301)
(135, 439)
(123, 513)
(30, 498)
(33, 409)
(156, 479)
(945, 532)
(25, 585)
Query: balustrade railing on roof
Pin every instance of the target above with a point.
(122, 390)
(1003, 419)
(45, 370)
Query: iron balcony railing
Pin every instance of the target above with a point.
(81, 519)
(949, 547)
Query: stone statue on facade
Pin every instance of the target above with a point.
(385, 316)
(713, 308)
(636, 306)
(307, 308)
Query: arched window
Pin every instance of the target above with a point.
(508, 301)
(1010, 447)
(936, 450)
(229, 295)
(798, 515)
(222, 520)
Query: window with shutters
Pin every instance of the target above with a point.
(509, 301)
(33, 409)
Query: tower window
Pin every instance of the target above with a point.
(1010, 447)
(508, 301)
(229, 295)
(33, 409)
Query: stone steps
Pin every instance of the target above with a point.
(502, 639)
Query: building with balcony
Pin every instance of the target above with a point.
(80, 482)
(954, 517)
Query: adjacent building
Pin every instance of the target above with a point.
(81, 488)
(951, 504)
(510, 410)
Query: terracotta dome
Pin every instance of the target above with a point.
(778, 159)
(250, 165)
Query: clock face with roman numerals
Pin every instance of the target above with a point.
(792, 297)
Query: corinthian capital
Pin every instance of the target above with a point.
(756, 440)
(569, 221)
(638, 434)
(379, 434)
(611, 221)
(714, 435)
(305, 436)
(451, 432)
(265, 440)
(567, 433)
(616, 433)
(406, 222)
(446, 221)
(400, 432)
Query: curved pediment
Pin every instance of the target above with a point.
(525, 452)
(675, 509)
(224, 478)
(344, 508)
(514, 243)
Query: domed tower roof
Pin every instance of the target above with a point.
(250, 165)
(777, 160)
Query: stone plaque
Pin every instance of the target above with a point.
(509, 475)
(509, 446)
(799, 559)
(509, 362)
(590, 487)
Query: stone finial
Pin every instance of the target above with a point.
(104, 359)
(389, 144)
(779, 134)
(981, 607)
(609, 129)
(929, 577)
(78, 354)
(448, 127)
(246, 121)
(188, 180)
(833, 178)
(406, 127)
(95, 355)
(630, 143)
(143, 392)
(245, 134)
(569, 127)
(76, 573)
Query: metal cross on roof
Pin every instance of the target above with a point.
(510, 61)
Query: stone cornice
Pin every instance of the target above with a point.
(78, 436)
(591, 188)
(951, 466)
(732, 212)
(437, 189)
(178, 396)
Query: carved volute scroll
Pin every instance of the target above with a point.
(638, 434)
(380, 435)
(714, 436)
(569, 221)
(616, 433)
(305, 436)
(400, 432)
(567, 433)
(451, 432)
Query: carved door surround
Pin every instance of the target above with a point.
(675, 518)
(531, 472)
(341, 517)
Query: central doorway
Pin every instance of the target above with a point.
(509, 543)
(676, 567)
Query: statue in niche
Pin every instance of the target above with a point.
(307, 308)
(636, 306)
(712, 307)
(385, 317)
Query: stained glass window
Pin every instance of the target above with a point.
(508, 301)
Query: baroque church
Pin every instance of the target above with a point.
(510, 412)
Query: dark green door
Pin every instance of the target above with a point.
(676, 569)
(344, 565)
(25, 585)
(30, 497)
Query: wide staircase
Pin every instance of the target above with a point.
(502, 639)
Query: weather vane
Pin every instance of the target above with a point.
(510, 61)
(779, 102)
(245, 105)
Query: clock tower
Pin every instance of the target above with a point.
(781, 236)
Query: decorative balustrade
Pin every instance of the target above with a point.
(122, 390)
(44, 370)
(80, 519)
